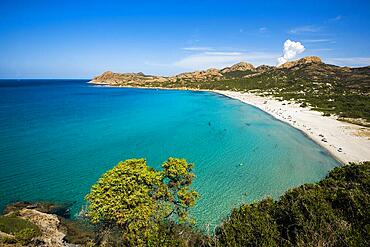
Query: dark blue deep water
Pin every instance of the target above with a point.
(57, 137)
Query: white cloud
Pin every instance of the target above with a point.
(291, 50)
(219, 59)
(305, 29)
(350, 61)
(197, 48)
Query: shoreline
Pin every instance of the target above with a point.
(344, 141)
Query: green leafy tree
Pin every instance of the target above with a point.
(178, 176)
(137, 198)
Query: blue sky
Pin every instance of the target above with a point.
(80, 39)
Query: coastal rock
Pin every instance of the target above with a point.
(49, 225)
(44, 207)
(5, 235)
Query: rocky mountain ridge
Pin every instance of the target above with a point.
(238, 70)
(305, 60)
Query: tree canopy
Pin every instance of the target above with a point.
(137, 198)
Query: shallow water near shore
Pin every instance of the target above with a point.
(57, 137)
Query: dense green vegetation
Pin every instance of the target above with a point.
(333, 212)
(22, 229)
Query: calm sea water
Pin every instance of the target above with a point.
(57, 137)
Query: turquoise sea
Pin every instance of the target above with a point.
(57, 137)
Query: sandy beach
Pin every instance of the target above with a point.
(346, 142)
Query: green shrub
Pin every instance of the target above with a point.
(77, 231)
(25, 235)
(250, 225)
(8, 240)
(333, 212)
(11, 225)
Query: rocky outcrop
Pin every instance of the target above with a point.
(263, 68)
(51, 236)
(61, 210)
(305, 60)
(209, 74)
(49, 218)
(242, 66)
(5, 235)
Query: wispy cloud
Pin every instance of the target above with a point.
(321, 49)
(208, 60)
(198, 48)
(337, 18)
(262, 29)
(156, 64)
(221, 59)
(350, 61)
(224, 53)
(317, 40)
(305, 29)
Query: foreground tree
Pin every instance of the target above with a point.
(139, 199)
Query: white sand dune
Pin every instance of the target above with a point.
(343, 140)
